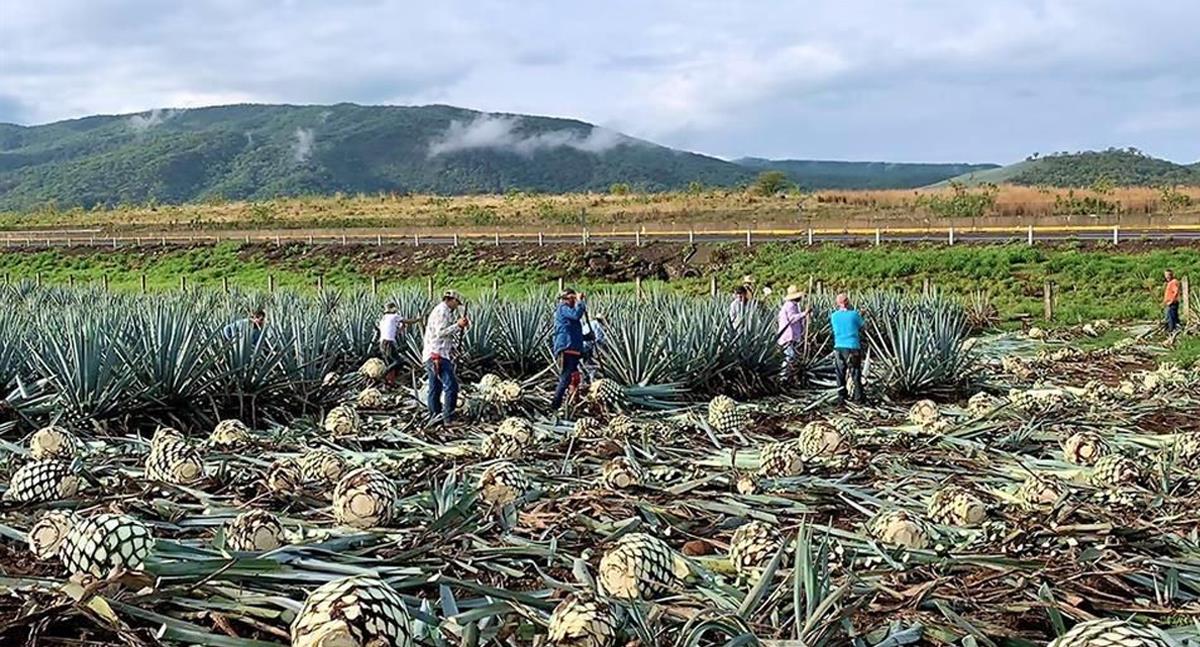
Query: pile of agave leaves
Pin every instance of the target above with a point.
(117, 366)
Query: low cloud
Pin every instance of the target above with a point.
(142, 123)
(500, 133)
(302, 145)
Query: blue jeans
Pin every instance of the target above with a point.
(791, 357)
(568, 363)
(1173, 317)
(442, 383)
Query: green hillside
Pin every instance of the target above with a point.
(820, 174)
(1119, 167)
(263, 151)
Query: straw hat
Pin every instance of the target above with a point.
(793, 293)
(452, 294)
(747, 280)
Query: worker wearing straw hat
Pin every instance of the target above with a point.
(438, 346)
(791, 323)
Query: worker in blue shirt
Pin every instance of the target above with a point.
(568, 340)
(847, 347)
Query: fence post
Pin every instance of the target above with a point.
(456, 238)
(142, 281)
(585, 236)
(343, 239)
(1185, 300)
(429, 287)
(877, 236)
(810, 235)
(637, 237)
(1048, 300)
(310, 241)
(1030, 239)
(691, 235)
(277, 241)
(747, 236)
(225, 284)
(1116, 234)
(496, 238)
(270, 283)
(378, 240)
(374, 285)
(541, 239)
(712, 286)
(416, 240)
(114, 242)
(951, 235)
(68, 242)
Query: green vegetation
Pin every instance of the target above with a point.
(771, 183)
(1093, 284)
(962, 202)
(820, 174)
(1089, 169)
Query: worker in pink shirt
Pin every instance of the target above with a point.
(790, 325)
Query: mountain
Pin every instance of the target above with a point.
(1119, 167)
(819, 174)
(263, 151)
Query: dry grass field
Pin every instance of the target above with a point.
(1005, 205)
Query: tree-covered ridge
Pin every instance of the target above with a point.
(265, 151)
(1118, 167)
(821, 174)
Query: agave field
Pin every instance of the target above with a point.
(165, 485)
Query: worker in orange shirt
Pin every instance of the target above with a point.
(1171, 301)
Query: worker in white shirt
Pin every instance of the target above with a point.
(439, 343)
(390, 327)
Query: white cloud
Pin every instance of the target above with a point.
(302, 144)
(982, 81)
(500, 132)
(142, 123)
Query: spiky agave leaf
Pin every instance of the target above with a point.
(917, 347)
(86, 366)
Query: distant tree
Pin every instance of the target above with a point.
(619, 188)
(695, 187)
(771, 182)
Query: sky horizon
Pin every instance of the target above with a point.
(858, 80)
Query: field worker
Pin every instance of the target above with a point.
(593, 342)
(391, 325)
(1171, 301)
(568, 340)
(847, 347)
(438, 346)
(739, 306)
(252, 323)
(791, 325)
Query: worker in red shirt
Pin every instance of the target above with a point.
(1171, 301)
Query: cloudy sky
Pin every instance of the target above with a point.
(917, 80)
